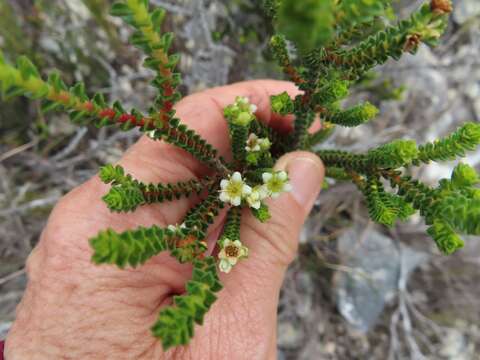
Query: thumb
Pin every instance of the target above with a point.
(273, 244)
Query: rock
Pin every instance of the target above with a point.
(305, 287)
(465, 10)
(290, 336)
(374, 268)
(4, 328)
(455, 346)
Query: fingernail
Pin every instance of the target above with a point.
(306, 176)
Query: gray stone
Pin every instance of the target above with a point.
(4, 328)
(465, 10)
(373, 269)
(290, 336)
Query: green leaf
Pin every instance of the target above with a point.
(460, 210)
(133, 247)
(282, 104)
(175, 324)
(380, 207)
(48, 106)
(403, 209)
(354, 116)
(238, 136)
(26, 68)
(158, 16)
(201, 216)
(79, 91)
(331, 92)
(124, 198)
(464, 176)
(270, 8)
(188, 140)
(466, 138)
(120, 9)
(321, 135)
(308, 23)
(447, 241)
(394, 154)
(262, 214)
(112, 174)
(352, 12)
(422, 26)
(99, 100)
(56, 82)
(231, 229)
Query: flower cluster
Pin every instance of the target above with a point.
(235, 189)
(241, 112)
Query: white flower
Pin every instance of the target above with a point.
(241, 100)
(234, 189)
(231, 252)
(152, 134)
(254, 200)
(177, 228)
(252, 143)
(276, 183)
(255, 144)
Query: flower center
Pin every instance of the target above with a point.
(234, 189)
(231, 251)
(275, 185)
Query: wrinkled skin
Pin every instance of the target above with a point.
(73, 309)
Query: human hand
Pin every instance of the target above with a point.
(74, 309)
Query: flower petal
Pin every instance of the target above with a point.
(237, 177)
(243, 252)
(225, 266)
(263, 192)
(266, 177)
(224, 183)
(282, 175)
(224, 196)
(236, 201)
(222, 254)
(246, 190)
